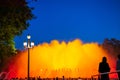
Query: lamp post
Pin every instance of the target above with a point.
(28, 45)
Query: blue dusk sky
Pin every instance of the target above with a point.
(88, 20)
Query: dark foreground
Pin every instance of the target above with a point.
(59, 79)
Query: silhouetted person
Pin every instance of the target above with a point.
(63, 78)
(56, 78)
(118, 66)
(104, 67)
(39, 78)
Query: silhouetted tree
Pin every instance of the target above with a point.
(14, 16)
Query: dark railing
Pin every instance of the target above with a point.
(98, 75)
(93, 77)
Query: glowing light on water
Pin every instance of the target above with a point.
(55, 59)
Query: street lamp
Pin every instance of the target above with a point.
(28, 45)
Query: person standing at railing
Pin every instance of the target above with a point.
(104, 67)
(118, 66)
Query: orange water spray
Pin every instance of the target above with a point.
(55, 59)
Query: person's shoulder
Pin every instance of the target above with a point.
(100, 63)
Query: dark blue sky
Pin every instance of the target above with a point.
(88, 20)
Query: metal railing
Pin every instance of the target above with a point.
(98, 75)
(93, 77)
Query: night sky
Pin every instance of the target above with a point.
(88, 20)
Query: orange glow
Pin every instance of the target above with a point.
(55, 59)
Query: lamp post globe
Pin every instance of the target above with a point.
(28, 36)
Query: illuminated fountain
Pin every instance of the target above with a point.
(55, 59)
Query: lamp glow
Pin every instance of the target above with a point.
(32, 44)
(25, 44)
(28, 36)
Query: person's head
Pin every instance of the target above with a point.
(104, 59)
(119, 56)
